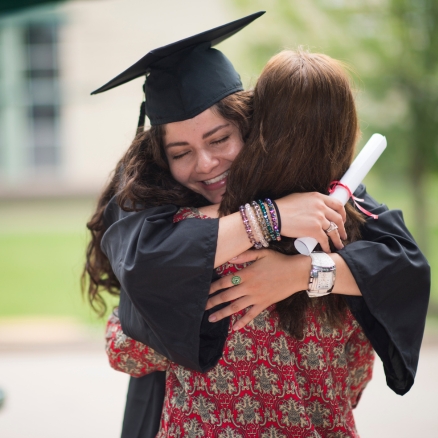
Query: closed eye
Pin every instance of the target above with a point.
(222, 140)
(177, 157)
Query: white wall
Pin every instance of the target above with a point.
(99, 40)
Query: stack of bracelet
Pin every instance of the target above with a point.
(261, 223)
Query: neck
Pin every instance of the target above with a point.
(210, 210)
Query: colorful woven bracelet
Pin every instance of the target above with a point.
(247, 226)
(273, 214)
(261, 221)
(268, 223)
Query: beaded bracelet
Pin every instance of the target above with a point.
(278, 216)
(273, 218)
(267, 222)
(261, 221)
(255, 226)
(248, 228)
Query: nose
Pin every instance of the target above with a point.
(206, 162)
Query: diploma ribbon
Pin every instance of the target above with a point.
(332, 188)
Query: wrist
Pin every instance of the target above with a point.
(302, 272)
(322, 274)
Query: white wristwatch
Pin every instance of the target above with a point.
(322, 275)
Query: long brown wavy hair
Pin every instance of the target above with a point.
(303, 136)
(142, 179)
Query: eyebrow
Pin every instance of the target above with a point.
(204, 136)
(214, 130)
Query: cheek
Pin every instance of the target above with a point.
(178, 172)
(234, 151)
(181, 173)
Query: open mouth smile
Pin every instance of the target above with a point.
(216, 179)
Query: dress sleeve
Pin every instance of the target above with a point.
(165, 270)
(129, 356)
(394, 279)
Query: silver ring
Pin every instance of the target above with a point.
(331, 228)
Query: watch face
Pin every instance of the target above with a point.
(325, 280)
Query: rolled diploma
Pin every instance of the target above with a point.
(352, 178)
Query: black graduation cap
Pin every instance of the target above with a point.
(186, 77)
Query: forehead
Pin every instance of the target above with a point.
(200, 125)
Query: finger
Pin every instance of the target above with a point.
(226, 296)
(222, 283)
(336, 205)
(234, 307)
(248, 256)
(332, 216)
(248, 317)
(323, 240)
(336, 239)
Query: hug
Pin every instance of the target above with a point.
(195, 231)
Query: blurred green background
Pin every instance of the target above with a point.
(393, 47)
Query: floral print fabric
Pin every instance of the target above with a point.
(267, 384)
(129, 356)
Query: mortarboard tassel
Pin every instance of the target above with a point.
(142, 118)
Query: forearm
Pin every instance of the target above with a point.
(297, 274)
(129, 356)
(232, 239)
(345, 283)
(302, 214)
(299, 268)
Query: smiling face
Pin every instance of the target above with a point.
(200, 152)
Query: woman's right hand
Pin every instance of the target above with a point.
(309, 214)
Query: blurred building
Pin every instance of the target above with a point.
(56, 139)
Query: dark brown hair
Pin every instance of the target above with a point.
(305, 128)
(142, 179)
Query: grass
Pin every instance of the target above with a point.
(42, 246)
(42, 273)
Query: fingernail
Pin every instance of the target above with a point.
(212, 318)
(235, 328)
(234, 258)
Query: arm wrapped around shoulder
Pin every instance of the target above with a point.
(394, 279)
(129, 356)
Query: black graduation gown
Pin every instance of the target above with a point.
(144, 403)
(165, 272)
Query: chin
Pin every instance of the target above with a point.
(215, 199)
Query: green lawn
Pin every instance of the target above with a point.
(41, 273)
(42, 246)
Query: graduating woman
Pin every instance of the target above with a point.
(163, 269)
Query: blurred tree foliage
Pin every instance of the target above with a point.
(393, 44)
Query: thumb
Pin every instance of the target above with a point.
(248, 256)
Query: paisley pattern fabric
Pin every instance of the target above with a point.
(126, 355)
(267, 384)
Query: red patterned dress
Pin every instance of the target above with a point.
(267, 384)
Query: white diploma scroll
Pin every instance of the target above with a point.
(352, 178)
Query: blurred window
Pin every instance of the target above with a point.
(42, 76)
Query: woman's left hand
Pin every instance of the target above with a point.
(286, 276)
